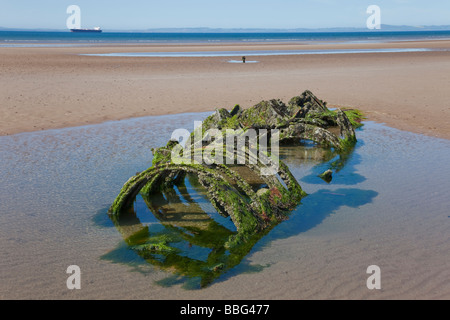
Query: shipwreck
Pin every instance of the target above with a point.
(254, 200)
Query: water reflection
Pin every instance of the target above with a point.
(317, 206)
(179, 231)
(180, 236)
(336, 162)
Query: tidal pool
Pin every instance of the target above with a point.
(203, 54)
(386, 205)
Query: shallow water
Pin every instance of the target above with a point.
(386, 205)
(240, 61)
(254, 53)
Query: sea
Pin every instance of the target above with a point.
(66, 38)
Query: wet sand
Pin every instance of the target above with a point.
(388, 206)
(44, 88)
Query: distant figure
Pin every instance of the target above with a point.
(243, 59)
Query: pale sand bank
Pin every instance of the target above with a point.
(44, 88)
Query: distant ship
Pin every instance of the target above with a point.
(97, 29)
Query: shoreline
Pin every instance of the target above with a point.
(54, 87)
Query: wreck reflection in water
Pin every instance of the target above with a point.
(181, 236)
(179, 231)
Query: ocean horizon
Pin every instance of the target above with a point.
(20, 38)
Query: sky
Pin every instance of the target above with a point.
(279, 14)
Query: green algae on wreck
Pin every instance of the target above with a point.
(253, 207)
(305, 117)
(187, 242)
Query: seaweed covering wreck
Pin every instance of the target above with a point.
(256, 190)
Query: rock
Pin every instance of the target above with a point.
(327, 176)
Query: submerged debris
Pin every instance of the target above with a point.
(327, 176)
(254, 200)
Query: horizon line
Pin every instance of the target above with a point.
(387, 27)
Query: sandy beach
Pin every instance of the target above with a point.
(387, 205)
(45, 88)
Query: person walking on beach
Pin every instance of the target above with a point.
(243, 59)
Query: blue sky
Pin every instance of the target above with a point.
(145, 14)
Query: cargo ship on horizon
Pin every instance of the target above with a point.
(97, 29)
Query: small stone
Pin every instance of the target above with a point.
(327, 176)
